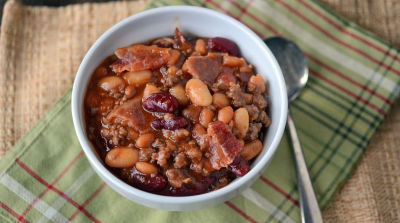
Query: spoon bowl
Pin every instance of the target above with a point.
(292, 62)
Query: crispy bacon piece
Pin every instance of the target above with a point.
(140, 57)
(224, 79)
(204, 68)
(224, 146)
(130, 113)
(180, 40)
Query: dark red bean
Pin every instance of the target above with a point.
(175, 123)
(161, 102)
(221, 44)
(239, 166)
(157, 124)
(169, 123)
(147, 182)
(208, 182)
(184, 191)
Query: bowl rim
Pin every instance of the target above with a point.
(99, 167)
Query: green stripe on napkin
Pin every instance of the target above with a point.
(353, 83)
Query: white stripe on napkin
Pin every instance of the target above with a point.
(29, 197)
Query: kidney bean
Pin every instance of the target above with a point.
(161, 102)
(169, 123)
(147, 182)
(184, 191)
(197, 188)
(175, 123)
(221, 44)
(157, 124)
(239, 166)
(209, 180)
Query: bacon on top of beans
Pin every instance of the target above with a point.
(177, 115)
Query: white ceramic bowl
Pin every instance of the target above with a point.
(161, 22)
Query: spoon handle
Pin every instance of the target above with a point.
(310, 211)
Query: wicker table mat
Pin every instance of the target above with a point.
(372, 193)
(52, 39)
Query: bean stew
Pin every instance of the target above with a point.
(177, 116)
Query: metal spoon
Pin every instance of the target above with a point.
(295, 71)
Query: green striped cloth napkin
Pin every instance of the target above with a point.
(353, 83)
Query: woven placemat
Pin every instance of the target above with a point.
(36, 40)
(372, 193)
(381, 17)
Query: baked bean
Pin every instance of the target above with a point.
(149, 90)
(225, 114)
(111, 83)
(220, 100)
(138, 78)
(251, 149)
(241, 120)
(206, 116)
(231, 61)
(256, 84)
(145, 140)
(200, 47)
(198, 92)
(172, 70)
(179, 93)
(130, 91)
(146, 168)
(122, 157)
(132, 134)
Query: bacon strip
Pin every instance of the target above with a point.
(141, 57)
(131, 113)
(224, 146)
